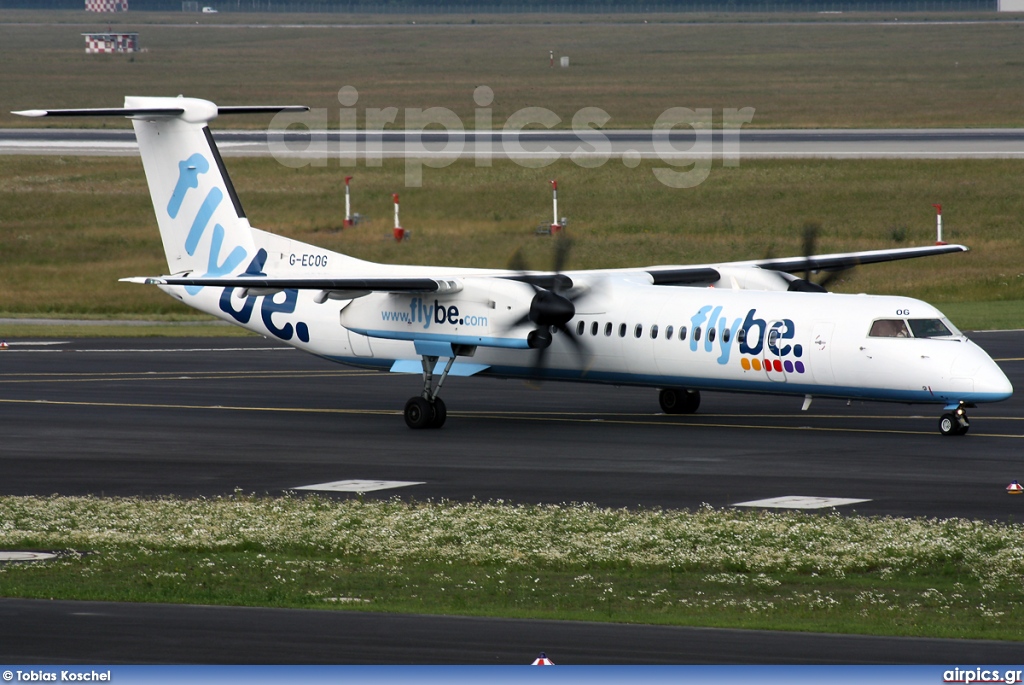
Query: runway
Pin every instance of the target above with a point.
(681, 142)
(157, 416)
(39, 631)
(204, 417)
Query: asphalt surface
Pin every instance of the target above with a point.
(206, 416)
(35, 631)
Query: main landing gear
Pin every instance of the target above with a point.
(955, 422)
(428, 410)
(677, 401)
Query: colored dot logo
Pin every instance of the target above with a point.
(769, 365)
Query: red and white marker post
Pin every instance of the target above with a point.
(555, 226)
(938, 225)
(399, 232)
(348, 204)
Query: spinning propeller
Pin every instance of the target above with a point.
(552, 305)
(805, 284)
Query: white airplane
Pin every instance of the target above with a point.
(748, 326)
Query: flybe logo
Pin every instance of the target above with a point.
(284, 302)
(763, 345)
(188, 179)
(420, 312)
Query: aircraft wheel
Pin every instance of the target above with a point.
(440, 413)
(949, 425)
(674, 401)
(418, 413)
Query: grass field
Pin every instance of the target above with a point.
(70, 227)
(799, 74)
(737, 569)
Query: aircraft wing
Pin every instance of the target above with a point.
(668, 275)
(778, 274)
(391, 285)
(846, 260)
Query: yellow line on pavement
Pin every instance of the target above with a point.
(513, 416)
(180, 375)
(144, 405)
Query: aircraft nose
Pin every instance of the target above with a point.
(993, 381)
(990, 383)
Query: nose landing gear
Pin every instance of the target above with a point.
(955, 422)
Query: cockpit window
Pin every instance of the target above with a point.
(929, 328)
(889, 328)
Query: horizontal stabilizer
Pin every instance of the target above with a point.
(109, 112)
(262, 109)
(154, 111)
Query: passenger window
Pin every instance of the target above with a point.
(639, 330)
(593, 328)
(579, 328)
(889, 328)
(929, 328)
(741, 335)
(696, 333)
(622, 330)
(711, 335)
(682, 332)
(725, 335)
(608, 329)
(654, 332)
(668, 332)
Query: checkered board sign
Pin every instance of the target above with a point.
(106, 5)
(99, 43)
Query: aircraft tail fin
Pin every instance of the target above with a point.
(202, 224)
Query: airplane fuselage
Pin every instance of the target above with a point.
(634, 333)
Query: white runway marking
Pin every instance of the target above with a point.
(26, 556)
(359, 485)
(797, 502)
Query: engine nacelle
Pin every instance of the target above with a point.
(752, 278)
(489, 312)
